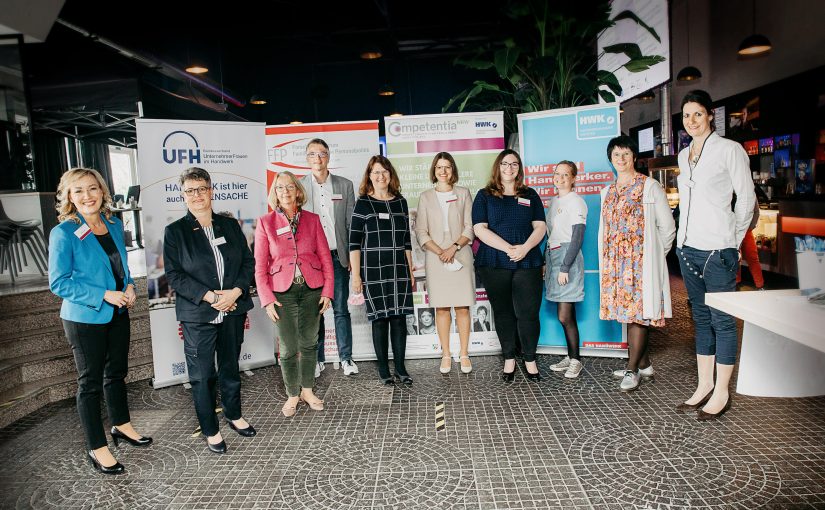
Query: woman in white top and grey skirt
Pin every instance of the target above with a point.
(564, 278)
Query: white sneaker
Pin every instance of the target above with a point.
(350, 367)
(319, 367)
(574, 370)
(562, 365)
(630, 381)
(644, 373)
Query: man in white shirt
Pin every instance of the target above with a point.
(332, 198)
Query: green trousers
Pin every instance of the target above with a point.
(298, 334)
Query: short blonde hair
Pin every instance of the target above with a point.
(66, 209)
(301, 199)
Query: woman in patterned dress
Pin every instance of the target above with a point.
(636, 230)
(381, 262)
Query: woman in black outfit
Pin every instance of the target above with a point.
(381, 262)
(209, 265)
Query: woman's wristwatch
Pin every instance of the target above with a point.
(458, 246)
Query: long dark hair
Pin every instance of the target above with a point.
(494, 186)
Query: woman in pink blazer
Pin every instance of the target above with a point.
(293, 271)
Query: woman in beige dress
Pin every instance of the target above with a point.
(444, 230)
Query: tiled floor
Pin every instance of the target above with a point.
(555, 444)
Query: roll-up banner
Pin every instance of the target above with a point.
(580, 135)
(351, 145)
(234, 154)
(474, 140)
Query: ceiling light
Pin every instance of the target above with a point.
(386, 90)
(196, 69)
(396, 114)
(754, 44)
(257, 100)
(689, 73)
(646, 96)
(296, 122)
(371, 53)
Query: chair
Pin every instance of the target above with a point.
(26, 235)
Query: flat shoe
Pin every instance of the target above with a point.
(466, 369)
(442, 368)
(684, 407)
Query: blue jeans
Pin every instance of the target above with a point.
(340, 310)
(711, 271)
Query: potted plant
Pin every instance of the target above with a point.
(551, 62)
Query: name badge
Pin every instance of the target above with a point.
(383, 216)
(82, 231)
(690, 183)
(524, 201)
(337, 196)
(218, 241)
(452, 198)
(283, 230)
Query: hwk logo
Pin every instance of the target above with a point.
(486, 124)
(180, 147)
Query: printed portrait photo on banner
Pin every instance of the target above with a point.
(426, 321)
(482, 319)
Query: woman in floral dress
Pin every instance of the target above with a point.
(636, 230)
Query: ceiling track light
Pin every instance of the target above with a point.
(257, 100)
(197, 69)
(386, 91)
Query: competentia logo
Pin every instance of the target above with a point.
(181, 148)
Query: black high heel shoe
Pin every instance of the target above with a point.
(249, 431)
(406, 380)
(116, 469)
(533, 377)
(218, 448)
(703, 416)
(508, 376)
(118, 435)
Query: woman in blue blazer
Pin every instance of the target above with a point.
(88, 269)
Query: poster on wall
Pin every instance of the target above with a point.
(351, 145)
(234, 155)
(580, 135)
(474, 140)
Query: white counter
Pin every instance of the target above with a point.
(783, 343)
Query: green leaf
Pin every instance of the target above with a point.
(629, 49)
(504, 60)
(473, 63)
(584, 85)
(607, 96)
(609, 79)
(643, 63)
(629, 15)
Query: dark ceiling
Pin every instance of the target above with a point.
(303, 57)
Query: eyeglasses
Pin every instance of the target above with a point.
(621, 155)
(322, 155)
(288, 187)
(377, 173)
(200, 190)
(505, 164)
(445, 167)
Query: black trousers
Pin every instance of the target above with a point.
(395, 328)
(201, 341)
(101, 354)
(515, 296)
